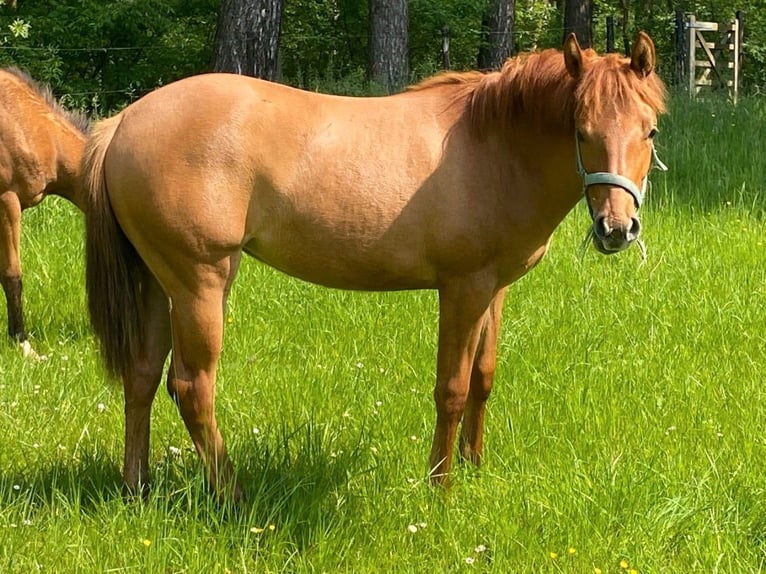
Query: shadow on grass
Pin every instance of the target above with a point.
(300, 482)
(85, 484)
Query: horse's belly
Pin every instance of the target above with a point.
(344, 265)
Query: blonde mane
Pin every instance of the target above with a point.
(536, 87)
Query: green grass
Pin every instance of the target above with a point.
(626, 424)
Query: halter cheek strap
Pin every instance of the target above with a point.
(608, 178)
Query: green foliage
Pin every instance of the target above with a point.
(19, 28)
(323, 41)
(428, 18)
(103, 55)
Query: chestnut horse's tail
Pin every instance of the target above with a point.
(113, 269)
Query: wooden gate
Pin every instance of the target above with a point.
(708, 55)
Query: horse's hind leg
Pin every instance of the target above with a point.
(141, 386)
(482, 376)
(10, 263)
(197, 323)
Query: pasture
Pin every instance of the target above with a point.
(625, 432)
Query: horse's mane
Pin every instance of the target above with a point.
(78, 119)
(537, 87)
(601, 84)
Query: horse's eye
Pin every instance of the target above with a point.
(652, 133)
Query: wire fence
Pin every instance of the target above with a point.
(420, 43)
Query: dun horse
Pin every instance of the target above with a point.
(41, 147)
(456, 184)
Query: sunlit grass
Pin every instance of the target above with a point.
(625, 433)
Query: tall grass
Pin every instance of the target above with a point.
(625, 431)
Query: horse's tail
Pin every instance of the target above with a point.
(113, 268)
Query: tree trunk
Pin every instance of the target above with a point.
(388, 42)
(578, 18)
(247, 37)
(497, 33)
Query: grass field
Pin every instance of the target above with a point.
(625, 434)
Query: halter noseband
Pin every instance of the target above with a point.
(608, 178)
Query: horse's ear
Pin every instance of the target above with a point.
(573, 57)
(643, 57)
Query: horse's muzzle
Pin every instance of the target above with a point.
(614, 236)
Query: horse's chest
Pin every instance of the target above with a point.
(517, 266)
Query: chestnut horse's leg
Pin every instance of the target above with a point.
(141, 387)
(463, 310)
(482, 375)
(10, 263)
(197, 326)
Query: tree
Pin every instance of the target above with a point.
(388, 43)
(247, 37)
(578, 18)
(497, 33)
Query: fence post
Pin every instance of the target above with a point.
(680, 49)
(736, 51)
(445, 48)
(740, 16)
(691, 53)
(610, 34)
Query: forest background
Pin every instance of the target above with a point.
(100, 56)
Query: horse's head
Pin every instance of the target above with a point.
(617, 101)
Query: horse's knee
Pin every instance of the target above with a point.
(450, 398)
(482, 377)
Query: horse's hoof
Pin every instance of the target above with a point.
(136, 494)
(29, 353)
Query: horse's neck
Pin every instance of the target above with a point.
(68, 183)
(544, 173)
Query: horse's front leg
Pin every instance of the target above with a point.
(141, 386)
(482, 376)
(463, 311)
(10, 263)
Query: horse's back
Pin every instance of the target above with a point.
(321, 187)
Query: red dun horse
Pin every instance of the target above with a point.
(454, 185)
(41, 147)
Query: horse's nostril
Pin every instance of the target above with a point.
(601, 227)
(635, 228)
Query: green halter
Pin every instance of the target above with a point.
(608, 178)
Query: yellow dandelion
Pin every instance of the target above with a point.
(597, 571)
(256, 530)
(272, 527)
(571, 550)
(146, 542)
(624, 564)
(553, 555)
(633, 571)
